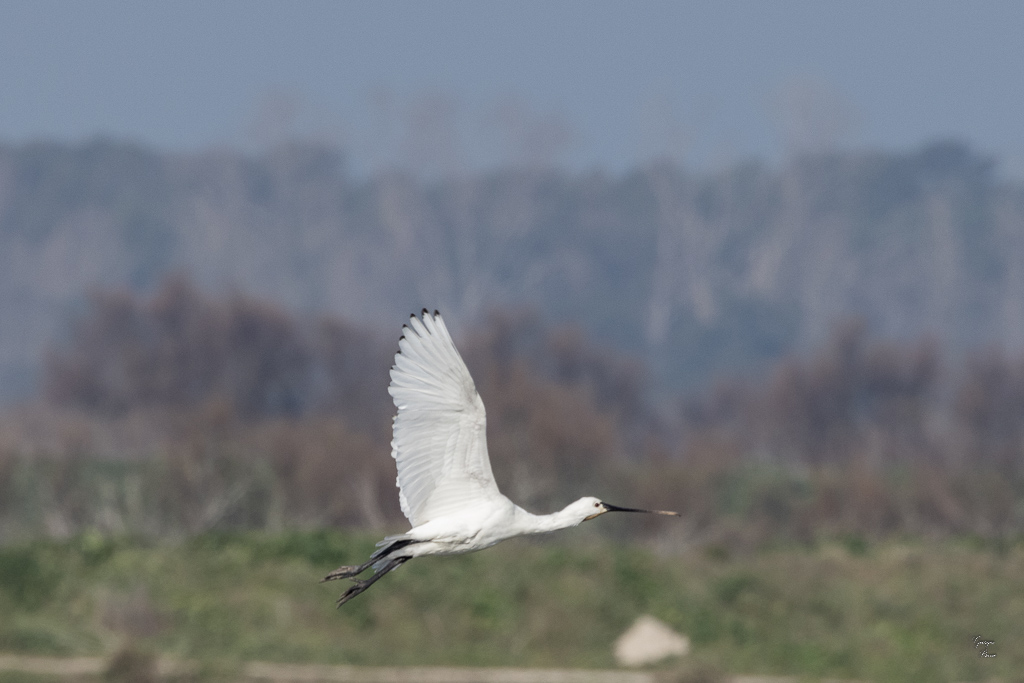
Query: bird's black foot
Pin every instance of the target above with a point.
(345, 572)
(357, 587)
(360, 585)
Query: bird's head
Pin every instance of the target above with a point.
(590, 507)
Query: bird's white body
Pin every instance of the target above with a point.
(488, 523)
(446, 487)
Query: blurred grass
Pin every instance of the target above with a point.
(844, 608)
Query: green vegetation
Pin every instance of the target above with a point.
(893, 611)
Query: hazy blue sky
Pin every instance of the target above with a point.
(446, 86)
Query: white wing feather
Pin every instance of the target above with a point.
(439, 440)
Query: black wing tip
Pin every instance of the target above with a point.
(424, 313)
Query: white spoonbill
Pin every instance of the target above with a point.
(445, 484)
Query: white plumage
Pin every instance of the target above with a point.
(440, 440)
(439, 444)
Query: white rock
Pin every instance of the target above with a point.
(648, 641)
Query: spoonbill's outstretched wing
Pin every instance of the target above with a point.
(440, 440)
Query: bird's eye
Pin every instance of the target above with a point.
(597, 505)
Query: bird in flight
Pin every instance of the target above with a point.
(445, 484)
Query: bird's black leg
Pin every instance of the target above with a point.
(358, 586)
(349, 570)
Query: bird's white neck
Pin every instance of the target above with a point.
(530, 523)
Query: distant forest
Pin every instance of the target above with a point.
(698, 276)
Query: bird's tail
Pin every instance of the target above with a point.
(391, 544)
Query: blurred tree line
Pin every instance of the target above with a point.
(180, 412)
(697, 273)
